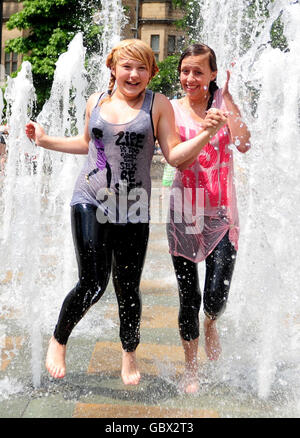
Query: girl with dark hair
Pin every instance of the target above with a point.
(119, 137)
(204, 225)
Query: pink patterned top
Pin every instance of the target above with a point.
(203, 203)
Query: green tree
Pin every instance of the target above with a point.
(257, 11)
(50, 25)
(167, 80)
(190, 20)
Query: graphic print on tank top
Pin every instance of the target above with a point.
(101, 162)
(206, 188)
(212, 173)
(130, 143)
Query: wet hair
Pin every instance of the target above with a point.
(202, 49)
(131, 49)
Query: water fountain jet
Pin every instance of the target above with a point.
(37, 247)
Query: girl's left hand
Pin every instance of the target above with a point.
(225, 89)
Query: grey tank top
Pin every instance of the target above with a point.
(116, 175)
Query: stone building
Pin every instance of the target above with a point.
(153, 21)
(156, 25)
(9, 61)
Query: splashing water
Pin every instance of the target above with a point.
(1, 105)
(37, 253)
(264, 301)
(112, 20)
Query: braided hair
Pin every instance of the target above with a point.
(201, 49)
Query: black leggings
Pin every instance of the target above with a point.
(219, 270)
(100, 247)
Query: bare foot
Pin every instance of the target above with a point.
(55, 359)
(190, 382)
(130, 373)
(212, 343)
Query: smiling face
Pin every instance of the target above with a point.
(132, 76)
(195, 76)
(132, 64)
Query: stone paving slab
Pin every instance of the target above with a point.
(50, 407)
(85, 410)
(152, 316)
(157, 287)
(8, 349)
(152, 358)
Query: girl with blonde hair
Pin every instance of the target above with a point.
(110, 202)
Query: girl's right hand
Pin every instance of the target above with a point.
(35, 132)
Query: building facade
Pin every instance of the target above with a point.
(153, 21)
(9, 62)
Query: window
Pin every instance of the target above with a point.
(155, 45)
(180, 43)
(175, 44)
(11, 63)
(171, 44)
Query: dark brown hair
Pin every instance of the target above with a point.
(202, 49)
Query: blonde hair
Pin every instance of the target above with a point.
(131, 49)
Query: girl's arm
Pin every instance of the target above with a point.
(179, 153)
(238, 129)
(209, 122)
(71, 145)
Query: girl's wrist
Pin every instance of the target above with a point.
(228, 97)
(43, 141)
(210, 131)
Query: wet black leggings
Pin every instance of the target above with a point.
(219, 270)
(100, 248)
